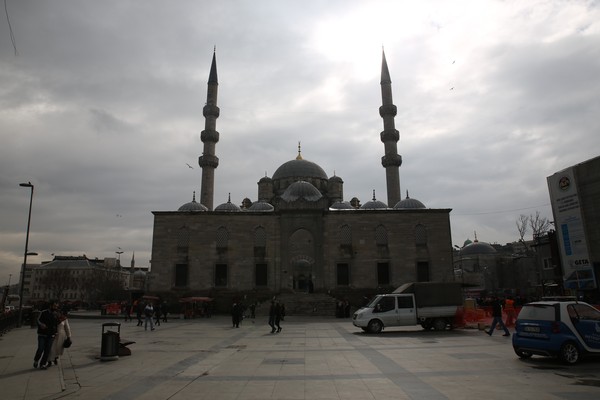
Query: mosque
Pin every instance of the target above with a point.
(300, 235)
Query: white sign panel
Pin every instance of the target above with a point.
(578, 272)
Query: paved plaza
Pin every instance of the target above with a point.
(312, 358)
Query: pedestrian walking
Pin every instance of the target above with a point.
(148, 313)
(272, 314)
(236, 314)
(165, 310)
(253, 310)
(62, 338)
(127, 312)
(139, 310)
(47, 324)
(497, 315)
(278, 315)
(157, 312)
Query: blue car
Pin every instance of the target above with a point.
(564, 329)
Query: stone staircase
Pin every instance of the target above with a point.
(300, 303)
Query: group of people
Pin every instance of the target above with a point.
(149, 314)
(276, 314)
(54, 334)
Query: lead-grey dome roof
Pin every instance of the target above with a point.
(477, 247)
(409, 203)
(374, 204)
(299, 168)
(341, 205)
(192, 206)
(229, 206)
(301, 189)
(261, 205)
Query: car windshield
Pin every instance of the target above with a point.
(373, 302)
(543, 312)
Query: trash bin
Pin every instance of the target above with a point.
(110, 341)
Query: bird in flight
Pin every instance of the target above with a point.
(189, 165)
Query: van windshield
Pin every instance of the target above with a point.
(373, 301)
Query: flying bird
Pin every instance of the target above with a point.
(189, 165)
(452, 88)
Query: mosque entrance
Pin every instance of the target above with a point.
(302, 260)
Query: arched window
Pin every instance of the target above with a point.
(222, 237)
(345, 235)
(420, 235)
(381, 236)
(260, 237)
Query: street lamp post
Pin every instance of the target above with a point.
(25, 254)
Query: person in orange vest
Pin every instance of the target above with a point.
(509, 308)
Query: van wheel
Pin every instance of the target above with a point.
(569, 353)
(375, 326)
(439, 324)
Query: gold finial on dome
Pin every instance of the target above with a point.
(299, 156)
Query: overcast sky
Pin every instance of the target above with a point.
(101, 109)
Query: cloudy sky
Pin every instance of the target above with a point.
(101, 108)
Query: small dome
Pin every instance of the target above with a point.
(341, 205)
(139, 273)
(374, 204)
(467, 242)
(477, 248)
(336, 178)
(229, 206)
(301, 189)
(192, 206)
(261, 205)
(409, 203)
(265, 179)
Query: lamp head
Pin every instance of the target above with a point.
(28, 184)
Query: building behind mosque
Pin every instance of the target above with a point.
(300, 235)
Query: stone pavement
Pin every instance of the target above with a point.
(312, 358)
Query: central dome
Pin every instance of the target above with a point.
(299, 168)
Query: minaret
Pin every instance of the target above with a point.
(391, 161)
(209, 136)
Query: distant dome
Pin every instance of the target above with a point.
(374, 204)
(139, 273)
(409, 203)
(336, 178)
(301, 189)
(341, 205)
(265, 179)
(229, 206)
(467, 242)
(192, 206)
(261, 205)
(477, 248)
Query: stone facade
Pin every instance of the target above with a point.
(300, 235)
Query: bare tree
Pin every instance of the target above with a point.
(522, 223)
(57, 281)
(539, 225)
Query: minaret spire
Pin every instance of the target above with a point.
(208, 161)
(391, 160)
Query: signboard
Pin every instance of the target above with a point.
(578, 271)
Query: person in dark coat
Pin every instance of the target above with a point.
(278, 315)
(236, 314)
(497, 314)
(272, 315)
(157, 313)
(47, 325)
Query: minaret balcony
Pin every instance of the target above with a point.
(388, 110)
(211, 110)
(391, 160)
(390, 135)
(209, 136)
(208, 160)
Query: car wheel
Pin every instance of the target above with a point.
(375, 326)
(569, 353)
(426, 326)
(439, 324)
(523, 353)
(365, 329)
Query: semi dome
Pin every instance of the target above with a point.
(192, 206)
(374, 204)
(261, 205)
(409, 203)
(301, 189)
(229, 206)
